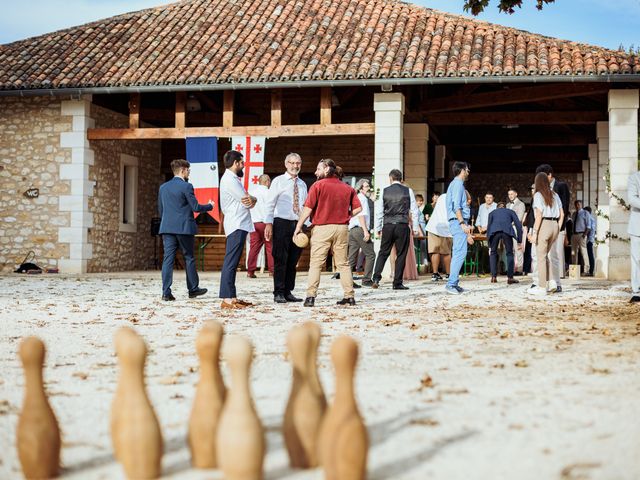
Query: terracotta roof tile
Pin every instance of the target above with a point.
(248, 41)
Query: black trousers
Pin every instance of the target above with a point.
(526, 266)
(285, 256)
(592, 259)
(494, 241)
(393, 234)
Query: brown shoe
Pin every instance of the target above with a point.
(251, 275)
(494, 280)
(243, 303)
(511, 281)
(230, 306)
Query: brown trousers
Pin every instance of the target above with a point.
(549, 230)
(336, 239)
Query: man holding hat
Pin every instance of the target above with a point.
(331, 203)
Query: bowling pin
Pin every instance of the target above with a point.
(343, 437)
(241, 444)
(38, 435)
(136, 434)
(306, 405)
(210, 393)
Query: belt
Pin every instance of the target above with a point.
(578, 233)
(555, 219)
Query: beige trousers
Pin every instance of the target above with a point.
(547, 235)
(579, 244)
(336, 239)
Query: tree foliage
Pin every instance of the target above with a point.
(505, 6)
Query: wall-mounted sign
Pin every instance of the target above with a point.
(32, 193)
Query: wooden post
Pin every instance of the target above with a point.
(134, 110)
(181, 100)
(276, 108)
(227, 109)
(325, 106)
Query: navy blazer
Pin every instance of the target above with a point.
(176, 204)
(503, 220)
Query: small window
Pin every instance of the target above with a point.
(128, 193)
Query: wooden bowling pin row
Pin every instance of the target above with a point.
(224, 428)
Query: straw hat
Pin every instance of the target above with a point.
(301, 240)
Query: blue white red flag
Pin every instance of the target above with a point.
(202, 154)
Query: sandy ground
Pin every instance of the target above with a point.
(487, 385)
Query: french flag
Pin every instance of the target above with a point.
(202, 154)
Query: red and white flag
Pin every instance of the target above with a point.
(253, 150)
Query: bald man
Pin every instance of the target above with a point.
(257, 238)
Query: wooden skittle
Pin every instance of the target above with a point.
(38, 435)
(209, 399)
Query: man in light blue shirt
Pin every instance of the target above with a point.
(483, 212)
(458, 225)
(591, 240)
(581, 227)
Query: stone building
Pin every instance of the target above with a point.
(91, 116)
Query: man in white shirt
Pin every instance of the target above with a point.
(256, 239)
(483, 212)
(235, 203)
(517, 206)
(285, 201)
(360, 238)
(440, 240)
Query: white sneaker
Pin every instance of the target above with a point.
(552, 286)
(536, 291)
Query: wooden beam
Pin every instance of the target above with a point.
(517, 118)
(181, 102)
(506, 138)
(227, 109)
(502, 155)
(276, 108)
(512, 96)
(134, 110)
(325, 106)
(266, 131)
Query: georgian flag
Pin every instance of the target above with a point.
(253, 150)
(202, 154)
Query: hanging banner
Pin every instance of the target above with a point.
(202, 154)
(253, 150)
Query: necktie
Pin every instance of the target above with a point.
(296, 197)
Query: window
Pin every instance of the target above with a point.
(128, 193)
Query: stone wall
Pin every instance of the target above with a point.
(114, 250)
(30, 157)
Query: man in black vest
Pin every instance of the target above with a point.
(392, 224)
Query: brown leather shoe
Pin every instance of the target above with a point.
(494, 280)
(243, 303)
(230, 306)
(511, 281)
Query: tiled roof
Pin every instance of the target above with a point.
(249, 41)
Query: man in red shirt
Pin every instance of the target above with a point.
(331, 203)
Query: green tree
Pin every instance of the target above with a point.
(506, 6)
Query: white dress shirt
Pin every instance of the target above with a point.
(413, 209)
(438, 223)
(236, 215)
(258, 212)
(280, 199)
(354, 222)
(483, 214)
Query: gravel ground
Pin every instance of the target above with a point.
(486, 385)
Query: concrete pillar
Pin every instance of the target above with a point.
(593, 176)
(416, 157)
(585, 183)
(602, 223)
(440, 168)
(389, 139)
(623, 161)
(77, 173)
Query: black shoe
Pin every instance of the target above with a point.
(400, 287)
(290, 298)
(347, 301)
(374, 284)
(197, 292)
(335, 276)
(355, 285)
(635, 299)
(367, 283)
(168, 298)
(279, 298)
(559, 289)
(309, 301)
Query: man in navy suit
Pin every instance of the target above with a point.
(176, 204)
(501, 227)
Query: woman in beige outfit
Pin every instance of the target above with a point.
(548, 218)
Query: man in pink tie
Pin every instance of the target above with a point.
(287, 195)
